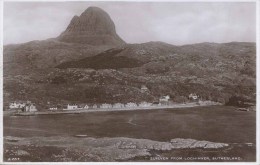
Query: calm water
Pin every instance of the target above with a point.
(215, 123)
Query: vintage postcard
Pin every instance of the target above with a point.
(129, 81)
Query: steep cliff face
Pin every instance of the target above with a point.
(94, 27)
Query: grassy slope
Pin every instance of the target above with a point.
(214, 71)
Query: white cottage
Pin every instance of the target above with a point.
(95, 106)
(105, 106)
(71, 107)
(86, 106)
(164, 98)
(14, 105)
(53, 108)
(144, 89)
(145, 104)
(30, 108)
(118, 105)
(131, 105)
(193, 96)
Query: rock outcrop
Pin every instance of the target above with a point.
(103, 149)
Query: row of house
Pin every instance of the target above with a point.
(28, 106)
(106, 106)
(17, 104)
(25, 106)
(192, 96)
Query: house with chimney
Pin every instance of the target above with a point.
(131, 105)
(144, 89)
(86, 106)
(156, 104)
(53, 108)
(105, 106)
(193, 96)
(29, 107)
(145, 104)
(164, 100)
(118, 105)
(71, 107)
(17, 105)
(94, 106)
(83, 106)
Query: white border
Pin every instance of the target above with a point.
(131, 0)
(128, 163)
(1, 78)
(257, 79)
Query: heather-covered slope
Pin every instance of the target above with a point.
(105, 60)
(214, 71)
(77, 68)
(34, 56)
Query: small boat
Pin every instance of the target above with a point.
(242, 109)
(81, 135)
(249, 144)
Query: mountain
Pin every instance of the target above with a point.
(87, 35)
(89, 63)
(94, 27)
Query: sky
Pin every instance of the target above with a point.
(176, 23)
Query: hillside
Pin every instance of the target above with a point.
(105, 60)
(37, 56)
(215, 74)
(71, 69)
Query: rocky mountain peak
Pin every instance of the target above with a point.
(94, 27)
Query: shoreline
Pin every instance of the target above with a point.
(78, 111)
(108, 148)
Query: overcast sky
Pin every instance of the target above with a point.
(176, 23)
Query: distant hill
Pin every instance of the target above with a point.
(77, 68)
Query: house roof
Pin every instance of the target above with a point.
(143, 87)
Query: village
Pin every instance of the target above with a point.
(163, 102)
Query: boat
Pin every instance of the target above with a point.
(81, 136)
(242, 109)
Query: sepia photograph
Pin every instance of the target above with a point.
(129, 81)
